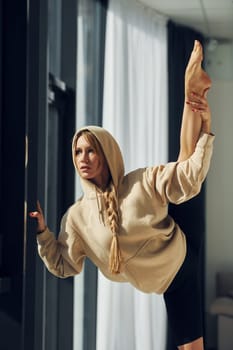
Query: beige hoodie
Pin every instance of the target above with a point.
(153, 246)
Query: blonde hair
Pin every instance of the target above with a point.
(111, 206)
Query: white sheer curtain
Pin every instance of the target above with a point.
(135, 111)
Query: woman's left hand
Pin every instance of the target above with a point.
(41, 226)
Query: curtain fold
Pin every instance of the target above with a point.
(135, 112)
(89, 96)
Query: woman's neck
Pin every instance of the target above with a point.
(102, 183)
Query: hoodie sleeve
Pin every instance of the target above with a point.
(63, 257)
(177, 182)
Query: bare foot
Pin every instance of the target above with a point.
(196, 79)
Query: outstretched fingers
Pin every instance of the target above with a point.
(39, 207)
(34, 214)
(38, 214)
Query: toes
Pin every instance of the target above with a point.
(196, 55)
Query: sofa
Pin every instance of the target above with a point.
(222, 307)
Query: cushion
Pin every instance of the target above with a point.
(222, 306)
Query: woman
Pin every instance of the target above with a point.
(121, 222)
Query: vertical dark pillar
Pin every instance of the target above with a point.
(35, 172)
(13, 46)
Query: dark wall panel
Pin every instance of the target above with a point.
(13, 111)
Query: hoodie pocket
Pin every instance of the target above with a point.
(147, 268)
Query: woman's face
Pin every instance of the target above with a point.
(91, 166)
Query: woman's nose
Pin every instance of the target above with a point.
(85, 157)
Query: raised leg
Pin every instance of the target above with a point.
(196, 79)
(194, 345)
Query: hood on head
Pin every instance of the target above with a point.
(110, 148)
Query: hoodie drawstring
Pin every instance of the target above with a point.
(100, 207)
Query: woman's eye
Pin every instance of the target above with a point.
(91, 150)
(77, 152)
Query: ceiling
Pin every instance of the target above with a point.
(213, 18)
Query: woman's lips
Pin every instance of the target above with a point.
(84, 168)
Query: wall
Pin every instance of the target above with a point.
(219, 186)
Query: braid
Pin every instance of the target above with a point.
(111, 204)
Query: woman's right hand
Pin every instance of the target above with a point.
(41, 226)
(199, 104)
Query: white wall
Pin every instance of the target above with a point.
(219, 186)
